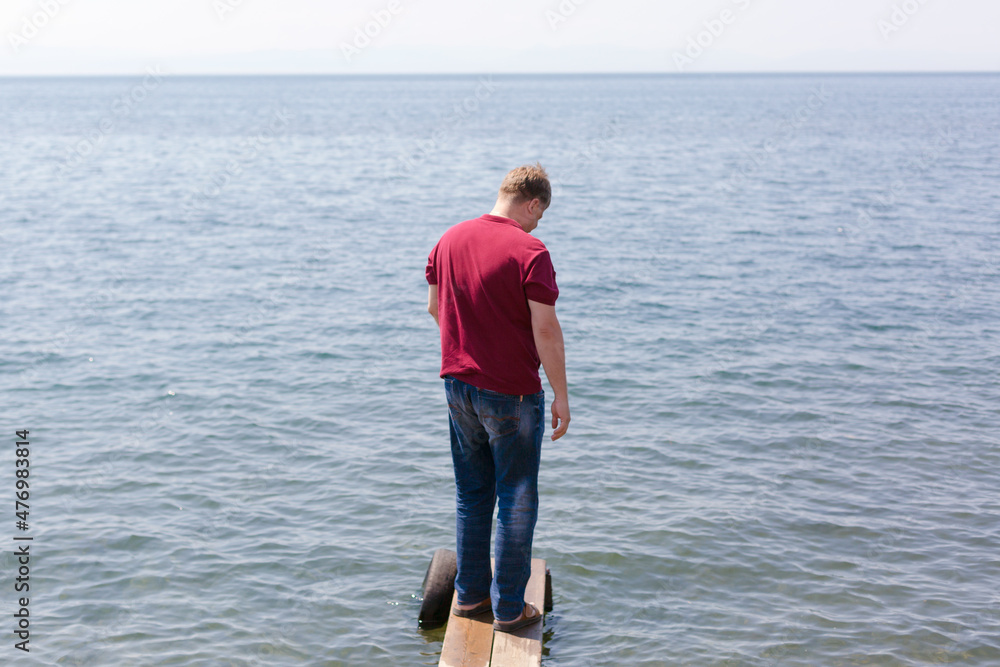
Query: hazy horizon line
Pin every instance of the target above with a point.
(508, 73)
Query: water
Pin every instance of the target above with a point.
(780, 302)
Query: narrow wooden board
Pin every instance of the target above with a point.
(524, 647)
(468, 641)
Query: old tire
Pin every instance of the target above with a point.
(548, 590)
(438, 589)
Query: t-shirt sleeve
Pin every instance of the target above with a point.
(540, 280)
(430, 272)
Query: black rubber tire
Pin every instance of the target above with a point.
(439, 589)
(548, 590)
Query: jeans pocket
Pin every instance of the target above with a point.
(500, 416)
(451, 396)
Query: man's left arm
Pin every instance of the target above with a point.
(432, 302)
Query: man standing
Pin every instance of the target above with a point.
(492, 291)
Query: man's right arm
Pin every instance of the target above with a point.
(552, 353)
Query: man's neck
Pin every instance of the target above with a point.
(505, 212)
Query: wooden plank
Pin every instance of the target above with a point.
(524, 647)
(467, 641)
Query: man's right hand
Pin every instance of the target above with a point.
(549, 343)
(560, 413)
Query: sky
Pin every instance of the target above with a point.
(86, 37)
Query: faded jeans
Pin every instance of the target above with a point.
(496, 445)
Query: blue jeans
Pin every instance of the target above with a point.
(496, 446)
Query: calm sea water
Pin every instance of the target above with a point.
(781, 303)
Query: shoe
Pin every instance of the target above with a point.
(529, 616)
(481, 608)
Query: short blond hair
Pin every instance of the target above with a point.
(527, 183)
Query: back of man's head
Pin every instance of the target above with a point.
(527, 183)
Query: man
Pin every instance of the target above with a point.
(492, 291)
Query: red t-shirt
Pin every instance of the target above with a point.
(486, 270)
